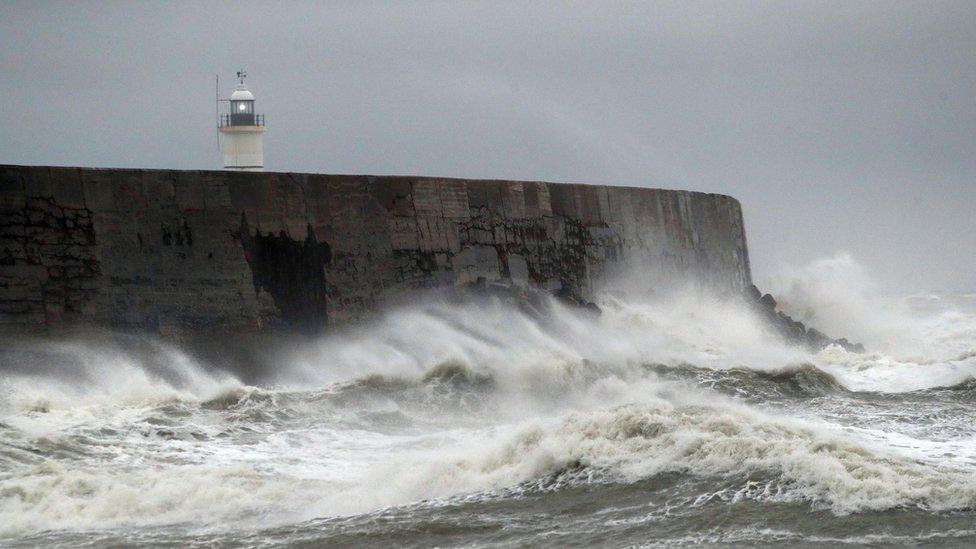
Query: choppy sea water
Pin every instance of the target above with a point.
(676, 422)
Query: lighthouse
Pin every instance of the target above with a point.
(243, 131)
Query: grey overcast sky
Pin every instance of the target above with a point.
(841, 126)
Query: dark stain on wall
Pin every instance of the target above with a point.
(292, 271)
(179, 235)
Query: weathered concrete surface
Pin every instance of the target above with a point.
(174, 251)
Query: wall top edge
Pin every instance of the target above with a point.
(366, 177)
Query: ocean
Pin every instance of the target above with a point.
(666, 421)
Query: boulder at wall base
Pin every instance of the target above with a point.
(793, 331)
(753, 294)
(768, 302)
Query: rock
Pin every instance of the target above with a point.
(753, 293)
(793, 331)
(567, 297)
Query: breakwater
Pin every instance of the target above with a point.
(171, 251)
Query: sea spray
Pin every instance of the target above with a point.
(666, 411)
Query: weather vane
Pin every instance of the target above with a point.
(242, 74)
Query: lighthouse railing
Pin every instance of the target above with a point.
(241, 120)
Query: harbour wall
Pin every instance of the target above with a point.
(173, 251)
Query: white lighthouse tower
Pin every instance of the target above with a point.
(243, 131)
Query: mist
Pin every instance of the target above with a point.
(840, 126)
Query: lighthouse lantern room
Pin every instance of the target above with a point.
(242, 130)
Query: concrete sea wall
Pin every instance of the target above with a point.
(172, 251)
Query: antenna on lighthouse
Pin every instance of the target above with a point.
(217, 107)
(242, 74)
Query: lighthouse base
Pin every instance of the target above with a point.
(243, 148)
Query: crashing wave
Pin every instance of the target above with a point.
(640, 441)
